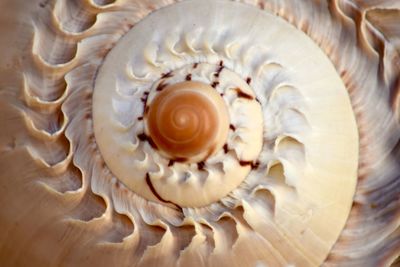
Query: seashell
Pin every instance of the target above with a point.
(200, 133)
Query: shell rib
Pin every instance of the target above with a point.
(200, 133)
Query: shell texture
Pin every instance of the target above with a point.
(301, 166)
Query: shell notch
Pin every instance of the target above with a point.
(188, 121)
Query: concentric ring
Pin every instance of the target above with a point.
(188, 121)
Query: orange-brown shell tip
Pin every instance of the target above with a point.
(188, 119)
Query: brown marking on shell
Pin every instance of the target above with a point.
(226, 148)
(201, 165)
(145, 138)
(144, 97)
(248, 80)
(214, 84)
(154, 191)
(232, 127)
(167, 75)
(188, 77)
(161, 86)
(244, 95)
(244, 163)
(142, 137)
(253, 165)
(219, 69)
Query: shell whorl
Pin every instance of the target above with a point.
(188, 121)
(299, 168)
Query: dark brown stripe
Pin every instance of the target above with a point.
(201, 165)
(253, 165)
(242, 94)
(214, 84)
(219, 69)
(153, 190)
(161, 86)
(144, 138)
(226, 149)
(245, 163)
(167, 75)
(144, 99)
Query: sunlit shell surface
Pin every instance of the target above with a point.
(200, 133)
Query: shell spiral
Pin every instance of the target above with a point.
(187, 121)
(202, 133)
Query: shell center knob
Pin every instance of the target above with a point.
(188, 121)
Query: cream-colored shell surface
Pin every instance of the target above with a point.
(309, 173)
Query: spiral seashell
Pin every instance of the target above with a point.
(200, 133)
